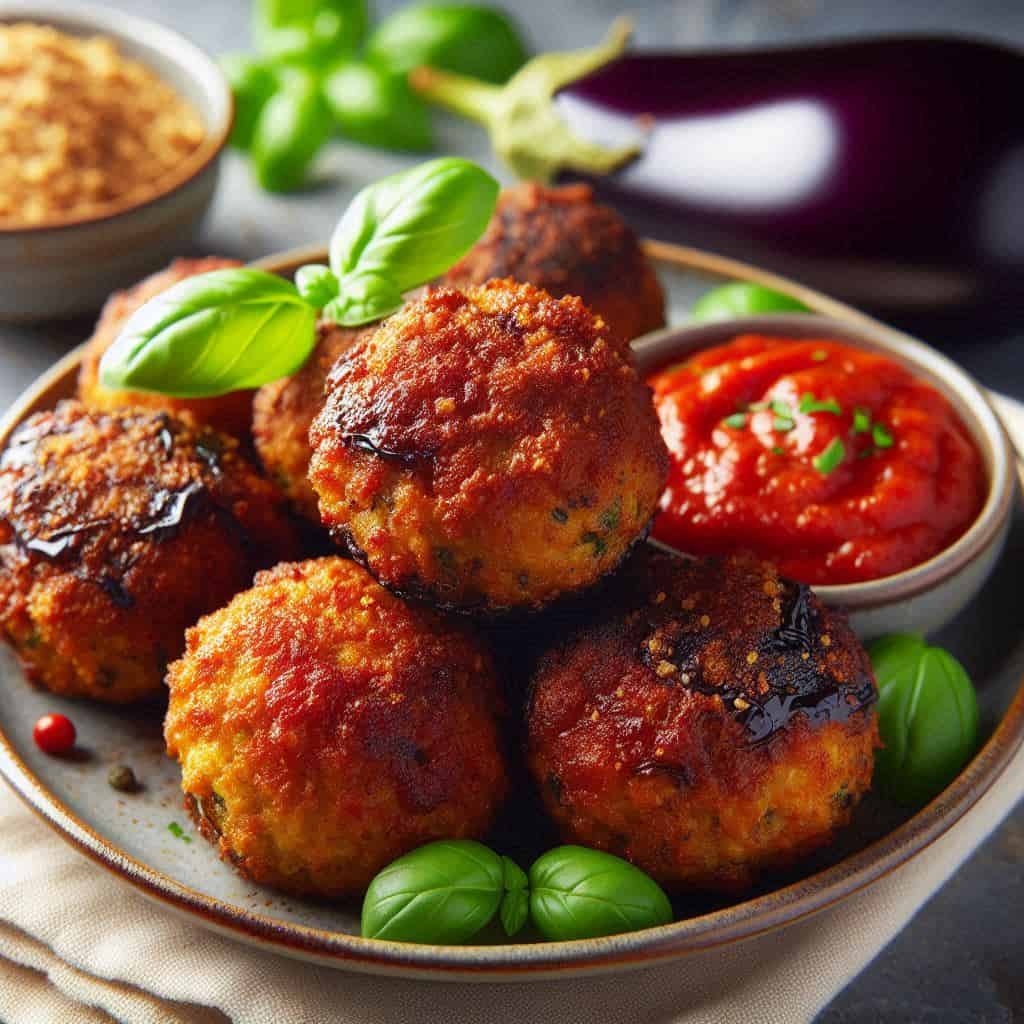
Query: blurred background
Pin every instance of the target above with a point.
(960, 959)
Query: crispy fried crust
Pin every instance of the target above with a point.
(231, 413)
(490, 449)
(719, 722)
(324, 728)
(561, 240)
(284, 410)
(117, 531)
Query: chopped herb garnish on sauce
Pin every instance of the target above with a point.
(778, 451)
(782, 409)
(861, 421)
(178, 832)
(783, 423)
(599, 545)
(758, 406)
(819, 355)
(737, 421)
(830, 458)
(881, 436)
(808, 403)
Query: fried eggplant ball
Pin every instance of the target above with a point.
(117, 532)
(487, 449)
(284, 410)
(720, 723)
(231, 413)
(561, 240)
(324, 728)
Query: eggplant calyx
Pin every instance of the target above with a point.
(526, 131)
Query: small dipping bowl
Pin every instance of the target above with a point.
(66, 266)
(927, 596)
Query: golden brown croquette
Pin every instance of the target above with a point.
(324, 728)
(117, 531)
(284, 410)
(719, 722)
(231, 413)
(562, 240)
(487, 449)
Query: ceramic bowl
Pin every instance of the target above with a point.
(926, 597)
(60, 268)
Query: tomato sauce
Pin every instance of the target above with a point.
(833, 462)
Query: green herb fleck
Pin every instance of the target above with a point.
(867, 453)
(861, 421)
(178, 832)
(808, 403)
(831, 457)
(782, 409)
(609, 518)
(592, 538)
(783, 423)
(737, 421)
(819, 355)
(758, 406)
(560, 515)
(778, 451)
(881, 436)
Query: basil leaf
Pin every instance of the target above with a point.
(363, 298)
(412, 226)
(739, 298)
(515, 909)
(316, 284)
(310, 31)
(927, 715)
(217, 332)
(576, 893)
(443, 892)
(291, 129)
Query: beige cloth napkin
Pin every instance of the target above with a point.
(77, 945)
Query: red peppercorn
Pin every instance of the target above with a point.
(54, 734)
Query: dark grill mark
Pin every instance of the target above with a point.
(370, 446)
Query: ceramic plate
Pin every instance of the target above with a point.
(136, 836)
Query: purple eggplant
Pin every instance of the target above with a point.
(889, 172)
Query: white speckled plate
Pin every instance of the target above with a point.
(130, 834)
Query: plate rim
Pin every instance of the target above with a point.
(527, 961)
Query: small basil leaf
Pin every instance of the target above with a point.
(738, 298)
(443, 892)
(316, 284)
(412, 226)
(477, 41)
(515, 876)
(252, 83)
(927, 716)
(291, 129)
(515, 909)
(309, 31)
(576, 893)
(363, 298)
(217, 332)
(376, 107)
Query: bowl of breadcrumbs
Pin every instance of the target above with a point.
(111, 129)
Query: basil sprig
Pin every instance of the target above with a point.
(927, 715)
(447, 892)
(228, 330)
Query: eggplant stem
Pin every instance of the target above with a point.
(525, 127)
(557, 70)
(470, 97)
